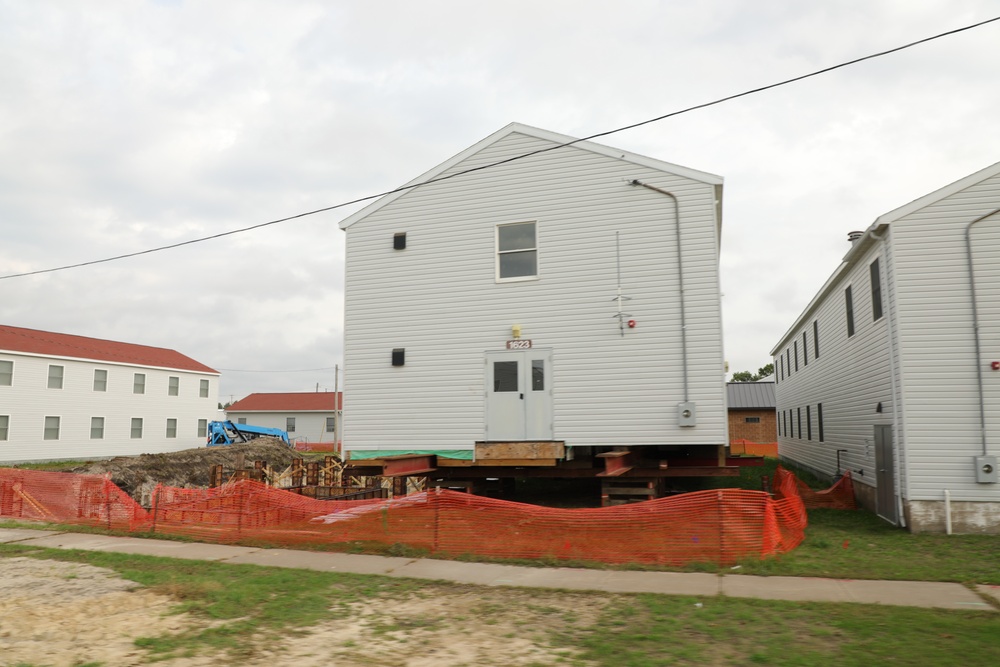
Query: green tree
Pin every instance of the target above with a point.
(747, 376)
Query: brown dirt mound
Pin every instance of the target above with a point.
(186, 469)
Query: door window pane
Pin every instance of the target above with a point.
(537, 374)
(504, 376)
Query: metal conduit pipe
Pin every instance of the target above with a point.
(975, 327)
(680, 276)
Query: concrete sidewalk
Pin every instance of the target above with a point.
(799, 589)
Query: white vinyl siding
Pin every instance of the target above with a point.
(927, 306)
(440, 301)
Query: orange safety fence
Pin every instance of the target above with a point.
(839, 496)
(721, 526)
(750, 448)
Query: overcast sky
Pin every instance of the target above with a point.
(128, 125)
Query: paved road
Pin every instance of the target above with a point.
(811, 589)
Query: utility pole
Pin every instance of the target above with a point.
(338, 404)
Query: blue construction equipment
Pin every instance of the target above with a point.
(226, 433)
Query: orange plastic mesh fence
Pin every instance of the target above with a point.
(839, 496)
(719, 526)
(61, 497)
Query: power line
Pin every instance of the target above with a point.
(411, 186)
(302, 370)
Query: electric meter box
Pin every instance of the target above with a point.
(686, 415)
(986, 470)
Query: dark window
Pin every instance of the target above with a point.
(517, 251)
(805, 348)
(537, 375)
(849, 302)
(331, 425)
(788, 361)
(819, 420)
(290, 424)
(816, 339)
(796, 343)
(809, 423)
(799, 411)
(398, 356)
(751, 420)
(876, 291)
(779, 426)
(399, 241)
(505, 376)
(781, 366)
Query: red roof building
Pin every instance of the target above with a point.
(311, 419)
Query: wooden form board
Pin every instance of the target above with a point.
(526, 450)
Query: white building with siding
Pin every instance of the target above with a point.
(893, 369)
(72, 397)
(307, 417)
(483, 307)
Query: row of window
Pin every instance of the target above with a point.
(290, 424)
(789, 361)
(57, 373)
(53, 426)
(790, 423)
(516, 251)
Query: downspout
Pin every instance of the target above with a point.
(680, 277)
(975, 328)
(901, 460)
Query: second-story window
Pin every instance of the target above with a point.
(6, 373)
(876, 291)
(100, 379)
(517, 251)
(139, 383)
(173, 385)
(849, 306)
(55, 377)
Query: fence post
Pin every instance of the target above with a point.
(156, 503)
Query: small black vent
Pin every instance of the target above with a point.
(399, 241)
(398, 356)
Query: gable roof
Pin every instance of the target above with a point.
(312, 401)
(750, 395)
(555, 138)
(875, 232)
(68, 346)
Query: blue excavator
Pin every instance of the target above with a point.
(226, 433)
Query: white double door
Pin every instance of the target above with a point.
(519, 395)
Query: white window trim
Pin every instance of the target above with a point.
(11, 361)
(496, 254)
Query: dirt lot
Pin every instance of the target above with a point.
(186, 469)
(66, 614)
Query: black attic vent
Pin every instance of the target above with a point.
(399, 241)
(398, 355)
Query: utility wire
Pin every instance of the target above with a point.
(411, 186)
(302, 370)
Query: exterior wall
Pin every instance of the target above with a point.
(765, 431)
(309, 426)
(849, 378)
(28, 401)
(439, 300)
(938, 342)
(930, 516)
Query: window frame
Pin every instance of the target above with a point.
(751, 420)
(805, 348)
(171, 427)
(816, 339)
(289, 424)
(819, 420)
(99, 430)
(46, 429)
(137, 385)
(103, 384)
(4, 428)
(331, 425)
(173, 385)
(8, 375)
(876, 281)
(136, 421)
(61, 378)
(203, 386)
(202, 428)
(497, 253)
(849, 308)
(809, 423)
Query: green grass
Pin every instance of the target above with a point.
(246, 608)
(654, 630)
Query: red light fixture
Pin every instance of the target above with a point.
(631, 324)
(994, 365)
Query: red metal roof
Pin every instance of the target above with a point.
(32, 341)
(312, 401)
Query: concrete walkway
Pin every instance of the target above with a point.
(799, 589)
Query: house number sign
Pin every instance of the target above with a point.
(518, 344)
